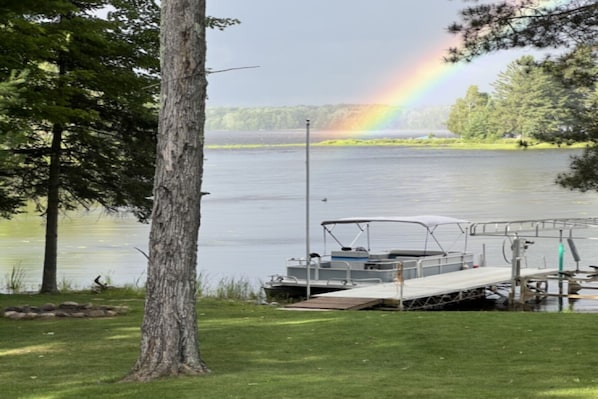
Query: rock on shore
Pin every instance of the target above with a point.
(65, 309)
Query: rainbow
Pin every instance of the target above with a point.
(409, 86)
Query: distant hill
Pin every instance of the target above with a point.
(324, 117)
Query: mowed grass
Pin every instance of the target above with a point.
(263, 352)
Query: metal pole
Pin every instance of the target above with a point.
(307, 250)
(515, 267)
(402, 282)
(561, 256)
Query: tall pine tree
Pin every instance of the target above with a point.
(84, 132)
(530, 102)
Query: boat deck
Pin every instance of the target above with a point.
(426, 292)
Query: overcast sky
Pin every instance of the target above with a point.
(315, 52)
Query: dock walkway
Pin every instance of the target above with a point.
(427, 292)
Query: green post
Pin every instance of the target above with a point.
(561, 256)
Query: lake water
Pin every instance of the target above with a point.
(254, 217)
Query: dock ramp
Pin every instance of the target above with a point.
(421, 293)
(336, 303)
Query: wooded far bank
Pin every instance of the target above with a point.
(325, 117)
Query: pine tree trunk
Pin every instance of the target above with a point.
(169, 341)
(49, 284)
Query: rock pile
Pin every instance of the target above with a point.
(65, 309)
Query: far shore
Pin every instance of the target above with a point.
(451, 143)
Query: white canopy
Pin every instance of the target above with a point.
(428, 221)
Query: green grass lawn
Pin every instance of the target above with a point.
(263, 352)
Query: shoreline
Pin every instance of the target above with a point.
(432, 143)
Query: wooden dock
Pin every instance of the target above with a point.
(335, 303)
(423, 293)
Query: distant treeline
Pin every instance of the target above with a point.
(325, 117)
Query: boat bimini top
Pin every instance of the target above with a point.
(428, 222)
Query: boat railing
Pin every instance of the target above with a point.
(301, 262)
(281, 278)
(368, 280)
(340, 282)
(412, 268)
(349, 280)
(440, 262)
(296, 262)
(348, 270)
(334, 281)
(378, 262)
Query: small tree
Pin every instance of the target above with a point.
(469, 116)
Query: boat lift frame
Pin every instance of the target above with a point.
(540, 228)
(555, 228)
